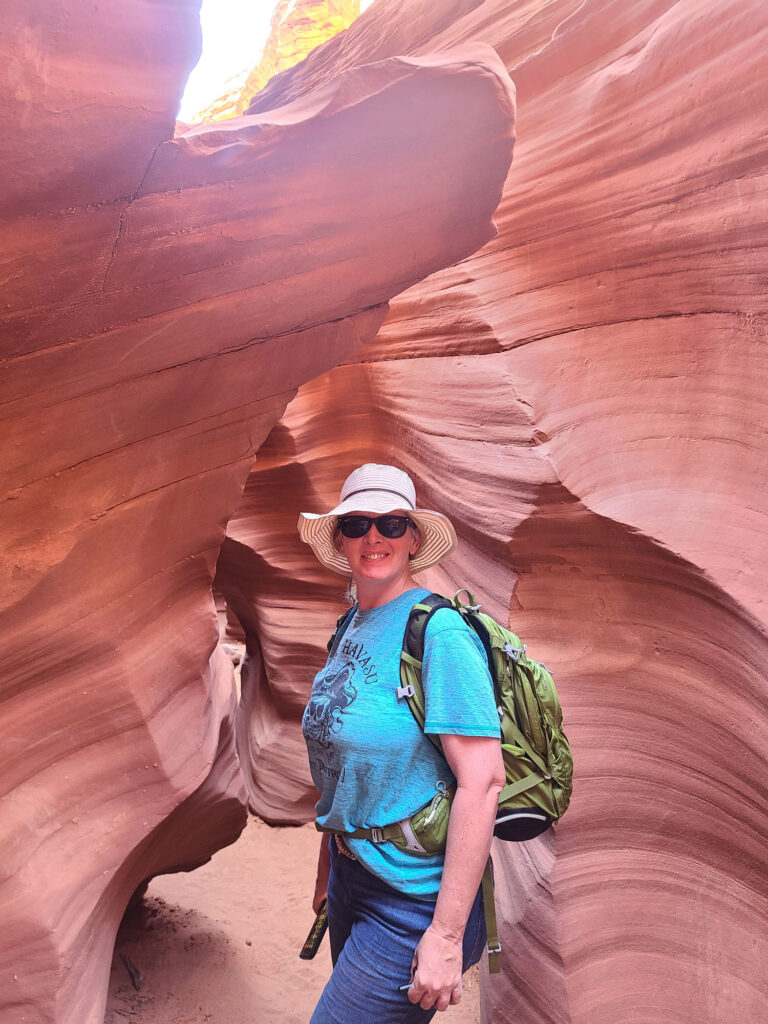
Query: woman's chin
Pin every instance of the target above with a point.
(374, 567)
(374, 575)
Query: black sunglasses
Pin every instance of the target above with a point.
(388, 526)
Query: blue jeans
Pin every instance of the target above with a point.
(374, 931)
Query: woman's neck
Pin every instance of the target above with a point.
(371, 594)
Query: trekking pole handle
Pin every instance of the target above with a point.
(315, 937)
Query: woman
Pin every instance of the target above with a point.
(403, 926)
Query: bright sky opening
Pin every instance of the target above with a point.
(234, 33)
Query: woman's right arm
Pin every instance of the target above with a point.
(323, 869)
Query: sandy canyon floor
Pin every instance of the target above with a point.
(220, 945)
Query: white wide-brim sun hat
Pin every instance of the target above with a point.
(380, 489)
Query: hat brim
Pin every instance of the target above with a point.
(436, 532)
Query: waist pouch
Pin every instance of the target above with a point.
(425, 832)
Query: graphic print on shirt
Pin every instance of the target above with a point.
(331, 698)
(363, 660)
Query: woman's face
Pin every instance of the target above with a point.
(376, 559)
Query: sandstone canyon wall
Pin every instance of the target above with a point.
(162, 301)
(585, 397)
(297, 27)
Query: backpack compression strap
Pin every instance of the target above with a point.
(492, 944)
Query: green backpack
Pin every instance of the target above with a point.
(537, 758)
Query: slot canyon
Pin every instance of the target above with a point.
(516, 247)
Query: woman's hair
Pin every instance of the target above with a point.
(337, 536)
(416, 533)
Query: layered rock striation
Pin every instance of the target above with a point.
(163, 299)
(585, 398)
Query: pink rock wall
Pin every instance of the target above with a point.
(585, 398)
(162, 301)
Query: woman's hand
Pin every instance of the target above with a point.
(321, 893)
(479, 770)
(323, 870)
(436, 970)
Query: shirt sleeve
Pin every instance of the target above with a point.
(458, 690)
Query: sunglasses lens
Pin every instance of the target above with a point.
(354, 526)
(392, 526)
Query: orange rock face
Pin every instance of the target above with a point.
(298, 26)
(162, 301)
(585, 398)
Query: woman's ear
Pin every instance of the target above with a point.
(415, 543)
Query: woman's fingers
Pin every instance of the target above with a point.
(321, 894)
(439, 998)
(436, 972)
(441, 1001)
(444, 999)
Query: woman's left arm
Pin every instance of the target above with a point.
(477, 764)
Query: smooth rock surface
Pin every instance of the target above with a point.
(162, 301)
(585, 397)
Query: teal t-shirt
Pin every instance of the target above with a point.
(369, 759)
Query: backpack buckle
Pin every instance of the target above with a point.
(515, 653)
(376, 836)
(405, 691)
(411, 842)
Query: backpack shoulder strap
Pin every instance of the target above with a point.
(470, 612)
(412, 657)
(341, 627)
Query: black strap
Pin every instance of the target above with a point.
(476, 623)
(416, 627)
(342, 623)
(382, 490)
